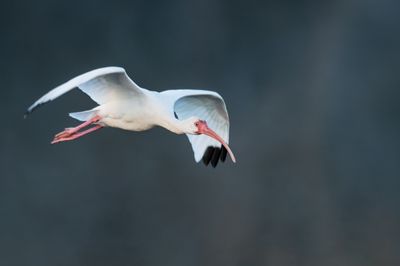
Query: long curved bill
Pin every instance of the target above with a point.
(204, 129)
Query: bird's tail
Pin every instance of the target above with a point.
(84, 115)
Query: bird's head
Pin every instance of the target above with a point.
(196, 126)
(192, 124)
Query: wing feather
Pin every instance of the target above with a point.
(208, 106)
(102, 85)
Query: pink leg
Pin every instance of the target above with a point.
(69, 131)
(76, 134)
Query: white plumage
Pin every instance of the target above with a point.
(200, 114)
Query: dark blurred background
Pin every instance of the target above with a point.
(312, 88)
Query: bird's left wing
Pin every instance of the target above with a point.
(208, 106)
(102, 85)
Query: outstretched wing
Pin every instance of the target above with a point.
(208, 106)
(102, 85)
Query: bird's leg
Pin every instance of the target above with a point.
(71, 130)
(76, 134)
(68, 132)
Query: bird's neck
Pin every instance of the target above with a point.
(174, 125)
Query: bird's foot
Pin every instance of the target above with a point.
(67, 132)
(60, 139)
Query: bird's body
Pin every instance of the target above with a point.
(130, 114)
(123, 104)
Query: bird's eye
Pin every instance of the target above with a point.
(196, 124)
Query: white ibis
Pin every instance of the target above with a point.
(199, 114)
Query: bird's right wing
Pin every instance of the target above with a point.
(208, 106)
(102, 85)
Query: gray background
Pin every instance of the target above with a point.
(312, 88)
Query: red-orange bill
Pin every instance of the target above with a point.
(204, 129)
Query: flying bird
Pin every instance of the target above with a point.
(200, 114)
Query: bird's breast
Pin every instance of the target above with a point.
(126, 123)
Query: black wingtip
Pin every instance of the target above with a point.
(27, 112)
(33, 108)
(213, 155)
(224, 153)
(207, 155)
